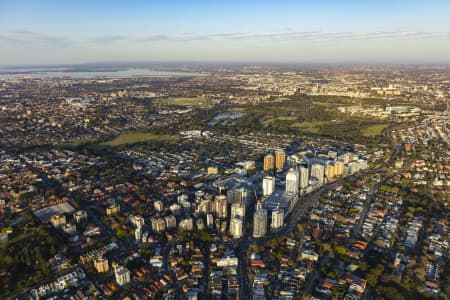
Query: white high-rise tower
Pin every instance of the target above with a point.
(292, 182)
(268, 185)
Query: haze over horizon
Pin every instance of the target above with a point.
(56, 32)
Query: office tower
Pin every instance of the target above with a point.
(220, 206)
(236, 227)
(339, 168)
(186, 224)
(239, 195)
(158, 224)
(292, 182)
(259, 222)
(277, 218)
(280, 159)
(268, 185)
(304, 177)
(269, 162)
(237, 211)
(101, 264)
(330, 171)
(122, 275)
(138, 234)
(171, 222)
(318, 171)
(205, 206)
(210, 220)
(159, 206)
(80, 216)
(58, 220)
(137, 221)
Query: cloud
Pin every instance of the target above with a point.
(152, 38)
(31, 38)
(297, 35)
(108, 39)
(26, 37)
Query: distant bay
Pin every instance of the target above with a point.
(6, 74)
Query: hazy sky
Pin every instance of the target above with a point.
(60, 31)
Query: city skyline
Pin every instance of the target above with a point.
(50, 32)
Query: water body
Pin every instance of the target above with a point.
(222, 119)
(232, 116)
(127, 73)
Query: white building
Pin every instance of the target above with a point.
(277, 219)
(171, 222)
(292, 182)
(137, 221)
(122, 275)
(80, 216)
(237, 211)
(158, 224)
(304, 177)
(268, 185)
(236, 227)
(186, 224)
(318, 171)
(210, 220)
(159, 206)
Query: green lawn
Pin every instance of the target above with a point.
(137, 137)
(308, 124)
(182, 101)
(267, 121)
(79, 142)
(374, 130)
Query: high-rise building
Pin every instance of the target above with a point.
(210, 220)
(304, 177)
(318, 171)
(101, 264)
(269, 162)
(330, 172)
(80, 216)
(280, 159)
(58, 220)
(158, 224)
(159, 206)
(137, 221)
(339, 168)
(236, 226)
(171, 222)
(186, 224)
(221, 206)
(277, 218)
(138, 234)
(259, 222)
(112, 209)
(122, 275)
(292, 182)
(268, 185)
(204, 206)
(237, 211)
(240, 195)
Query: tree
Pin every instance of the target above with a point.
(373, 274)
(391, 293)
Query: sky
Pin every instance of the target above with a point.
(315, 31)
